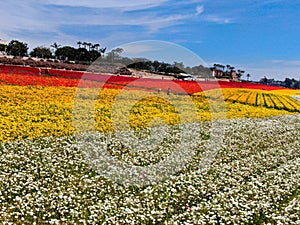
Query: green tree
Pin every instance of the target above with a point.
(94, 55)
(240, 73)
(82, 54)
(288, 82)
(156, 65)
(248, 76)
(41, 52)
(84, 44)
(89, 45)
(55, 46)
(66, 53)
(2, 47)
(219, 66)
(179, 65)
(96, 46)
(228, 69)
(114, 54)
(17, 48)
(102, 50)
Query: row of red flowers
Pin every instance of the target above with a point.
(23, 76)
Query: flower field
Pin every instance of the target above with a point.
(46, 178)
(262, 98)
(34, 111)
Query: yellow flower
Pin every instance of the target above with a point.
(33, 111)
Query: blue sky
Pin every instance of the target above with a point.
(260, 37)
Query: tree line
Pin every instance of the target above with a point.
(86, 52)
(167, 68)
(287, 82)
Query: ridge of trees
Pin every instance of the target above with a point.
(87, 53)
(287, 82)
(169, 69)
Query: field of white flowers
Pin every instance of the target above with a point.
(254, 178)
(297, 97)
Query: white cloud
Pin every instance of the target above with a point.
(40, 22)
(17, 16)
(217, 19)
(157, 23)
(280, 62)
(199, 10)
(116, 4)
(44, 22)
(37, 16)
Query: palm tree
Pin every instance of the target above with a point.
(227, 71)
(240, 73)
(231, 68)
(219, 66)
(55, 45)
(248, 75)
(96, 46)
(84, 44)
(89, 45)
(227, 67)
(79, 44)
(102, 50)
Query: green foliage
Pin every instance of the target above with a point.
(41, 52)
(228, 71)
(198, 70)
(66, 53)
(83, 54)
(165, 68)
(114, 55)
(93, 55)
(2, 47)
(80, 54)
(17, 48)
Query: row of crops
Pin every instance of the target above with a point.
(34, 111)
(73, 155)
(262, 98)
(253, 179)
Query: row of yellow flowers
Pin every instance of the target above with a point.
(270, 99)
(33, 111)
